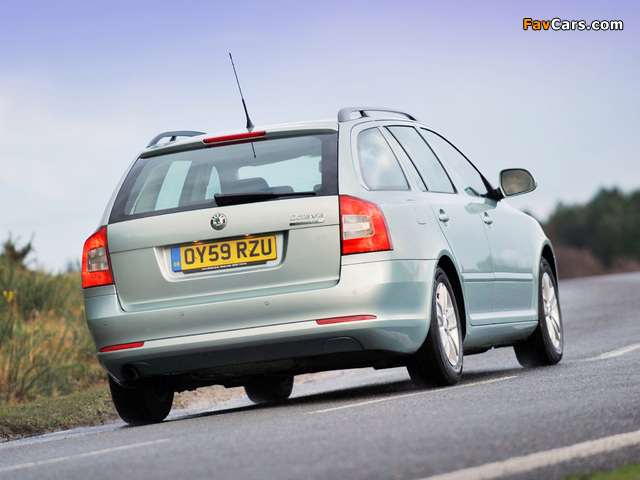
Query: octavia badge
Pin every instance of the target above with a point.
(218, 221)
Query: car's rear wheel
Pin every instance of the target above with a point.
(269, 388)
(438, 362)
(545, 345)
(148, 404)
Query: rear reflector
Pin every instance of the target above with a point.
(237, 138)
(363, 226)
(124, 346)
(354, 318)
(95, 260)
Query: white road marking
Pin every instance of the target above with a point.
(534, 461)
(616, 353)
(49, 461)
(407, 395)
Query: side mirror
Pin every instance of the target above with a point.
(516, 181)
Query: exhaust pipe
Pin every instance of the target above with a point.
(130, 373)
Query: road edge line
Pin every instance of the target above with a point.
(547, 458)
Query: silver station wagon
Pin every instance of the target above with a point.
(247, 257)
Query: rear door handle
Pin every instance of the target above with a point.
(442, 216)
(487, 219)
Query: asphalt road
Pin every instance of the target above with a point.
(501, 421)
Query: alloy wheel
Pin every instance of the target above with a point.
(551, 311)
(447, 324)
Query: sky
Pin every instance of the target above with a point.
(85, 85)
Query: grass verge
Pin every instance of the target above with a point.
(630, 472)
(85, 408)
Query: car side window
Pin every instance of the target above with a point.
(473, 182)
(408, 164)
(421, 154)
(378, 164)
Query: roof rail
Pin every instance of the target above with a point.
(344, 115)
(174, 135)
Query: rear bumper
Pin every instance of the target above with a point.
(397, 293)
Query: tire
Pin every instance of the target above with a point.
(438, 362)
(138, 406)
(269, 388)
(546, 344)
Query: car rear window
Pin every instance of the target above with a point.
(189, 180)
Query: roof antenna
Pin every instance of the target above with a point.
(250, 125)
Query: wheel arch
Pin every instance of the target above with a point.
(549, 256)
(452, 273)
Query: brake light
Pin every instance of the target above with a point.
(237, 138)
(363, 226)
(95, 260)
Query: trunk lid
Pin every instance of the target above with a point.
(195, 225)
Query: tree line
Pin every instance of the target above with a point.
(602, 236)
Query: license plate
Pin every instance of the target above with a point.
(226, 254)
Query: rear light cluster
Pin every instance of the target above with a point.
(363, 226)
(95, 260)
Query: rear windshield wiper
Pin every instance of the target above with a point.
(223, 199)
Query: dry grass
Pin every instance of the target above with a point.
(45, 346)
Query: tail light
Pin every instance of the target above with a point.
(96, 270)
(363, 226)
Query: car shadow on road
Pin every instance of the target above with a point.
(381, 390)
(336, 397)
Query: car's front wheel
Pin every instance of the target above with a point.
(269, 388)
(438, 362)
(148, 404)
(545, 345)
